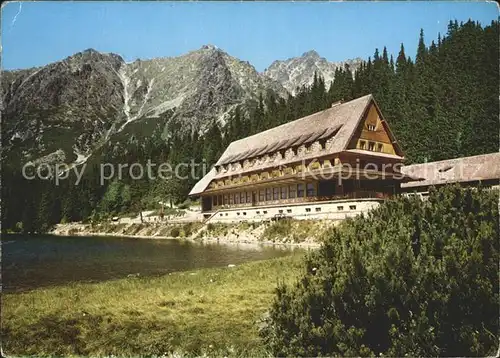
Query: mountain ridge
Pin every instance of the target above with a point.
(296, 72)
(74, 105)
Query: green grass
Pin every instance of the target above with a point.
(209, 311)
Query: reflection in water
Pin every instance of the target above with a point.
(31, 262)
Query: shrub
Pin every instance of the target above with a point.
(187, 229)
(277, 230)
(417, 278)
(18, 227)
(184, 205)
(175, 231)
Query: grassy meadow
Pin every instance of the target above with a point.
(213, 312)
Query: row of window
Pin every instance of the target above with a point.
(295, 150)
(289, 211)
(268, 194)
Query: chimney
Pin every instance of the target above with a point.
(335, 104)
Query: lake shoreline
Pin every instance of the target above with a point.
(152, 232)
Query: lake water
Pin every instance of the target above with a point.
(39, 261)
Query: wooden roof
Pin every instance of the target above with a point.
(343, 117)
(458, 170)
(339, 122)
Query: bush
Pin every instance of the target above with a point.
(277, 230)
(175, 231)
(187, 229)
(185, 204)
(417, 278)
(18, 227)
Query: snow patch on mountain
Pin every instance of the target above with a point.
(125, 79)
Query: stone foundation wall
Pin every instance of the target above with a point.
(331, 210)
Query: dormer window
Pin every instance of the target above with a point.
(445, 169)
(371, 127)
(362, 144)
(371, 146)
(322, 143)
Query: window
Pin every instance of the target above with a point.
(257, 212)
(226, 214)
(262, 196)
(242, 197)
(300, 190)
(311, 189)
(244, 213)
(237, 198)
(276, 193)
(220, 214)
(225, 199)
(380, 147)
(268, 194)
(214, 199)
(322, 143)
(340, 208)
(281, 211)
(445, 169)
(362, 144)
(292, 191)
(289, 210)
(237, 213)
(283, 192)
(318, 209)
(249, 197)
(264, 212)
(308, 210)
(371, 146)
(371, 127)
(352, 207)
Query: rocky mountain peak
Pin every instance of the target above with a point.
(91, 98)
(311, 53)
(209, 47)
(91, 55)
(89, 51)
(296, 72)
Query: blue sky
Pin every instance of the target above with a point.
(37, 33)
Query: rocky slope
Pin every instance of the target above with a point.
(299, 71)
(63, 111)
(202, 84)
(64, 106)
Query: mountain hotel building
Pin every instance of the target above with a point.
(332, 164)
